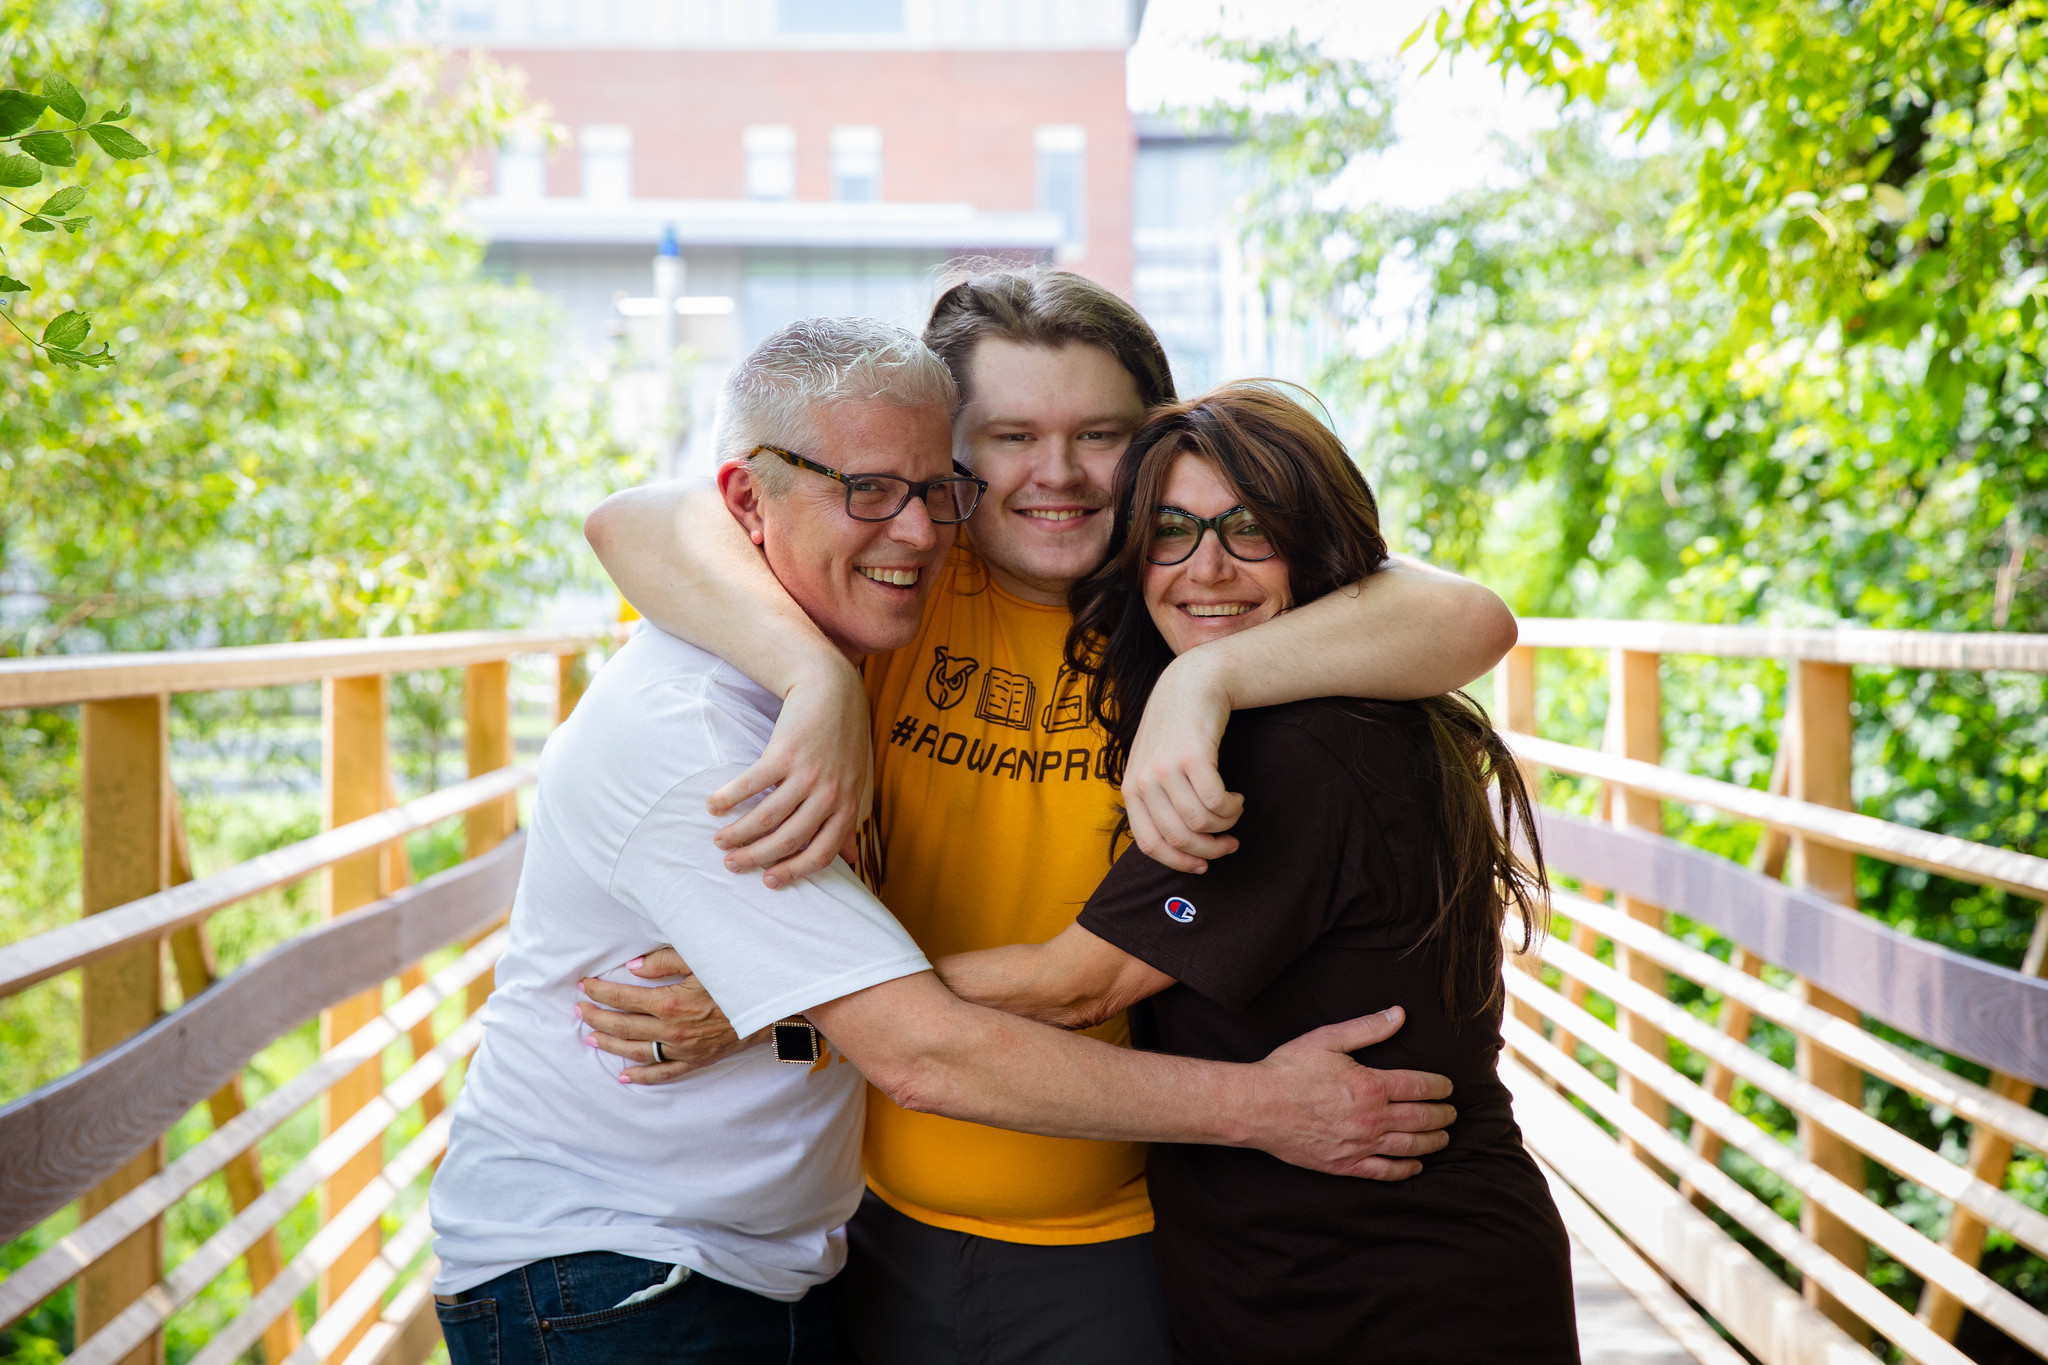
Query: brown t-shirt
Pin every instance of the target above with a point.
(1316, 919)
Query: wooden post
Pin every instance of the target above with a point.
(571, 677)
(1584, 939)
(124, 764)
(197, 968)
(1990, 1155)
(1635, 729)
(487, 740)
(1514, 691)
(1514, 704)
(1821, 729)
(353, 759)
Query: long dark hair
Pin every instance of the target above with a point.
(1318, 511)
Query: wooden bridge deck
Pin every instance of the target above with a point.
(1614, 1328)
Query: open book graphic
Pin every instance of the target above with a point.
(1007, 699)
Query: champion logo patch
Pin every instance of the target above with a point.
(1180, 910)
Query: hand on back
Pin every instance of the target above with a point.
(1335, 1116)
(627, 1020)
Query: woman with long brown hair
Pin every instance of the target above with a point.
(1375, 869)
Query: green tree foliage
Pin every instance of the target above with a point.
(325, 423)
(21, 116)
(1661, 382)
(1753, 333)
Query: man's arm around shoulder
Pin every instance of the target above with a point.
(678, 556)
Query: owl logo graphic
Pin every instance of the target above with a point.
(946, 684)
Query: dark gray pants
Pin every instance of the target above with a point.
(912, 1294)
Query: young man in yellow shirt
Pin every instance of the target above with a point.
(991, 821)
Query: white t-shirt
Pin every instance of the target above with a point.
(745, 1171)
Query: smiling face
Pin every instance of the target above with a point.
(1045, 426)
(1212, 593)
(863, 582)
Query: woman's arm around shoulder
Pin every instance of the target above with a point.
(1405, 632)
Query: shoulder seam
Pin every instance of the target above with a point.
(611, 875)
(698, 691)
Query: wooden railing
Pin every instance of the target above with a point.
(1806, 960)
(95, 1137)
(1648, 1187)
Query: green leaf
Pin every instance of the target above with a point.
(126, 109)
(117, 142)
(67, 330)
(19, 110)
(71, 360)
(10, 285)
(74, 224)
(38, 225)
(64, 98)
(17, 171)
(63, 201)
(51, 148)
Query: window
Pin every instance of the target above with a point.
(771, 161)
(475, 16)
(856, 163)
(839, 16)
(607, 161)
(1062, 177)
(522, 166)
(782, 286)
(551, 18)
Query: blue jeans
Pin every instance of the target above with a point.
(561, 1312)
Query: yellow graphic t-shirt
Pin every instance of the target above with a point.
(992, 823)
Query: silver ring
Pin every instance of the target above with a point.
(659, 1056)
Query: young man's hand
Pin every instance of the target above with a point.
(692, 1030)
(1330, 1114)
(1173, 793)
(820, 763)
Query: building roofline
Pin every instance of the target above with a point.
(802, 42)
(759, 25)
(1165, 128)
(744, 222)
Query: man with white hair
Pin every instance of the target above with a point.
(580, 1217)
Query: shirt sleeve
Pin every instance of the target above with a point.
(1304, 854)
(763, 955)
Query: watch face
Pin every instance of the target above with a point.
(797, 1043)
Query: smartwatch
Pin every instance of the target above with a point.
(797, 1041)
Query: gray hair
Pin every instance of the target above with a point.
(772, 397)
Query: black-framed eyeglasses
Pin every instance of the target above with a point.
(1177, 534)
(879, 497)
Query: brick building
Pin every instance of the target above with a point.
(806, 156)
(831, 156)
